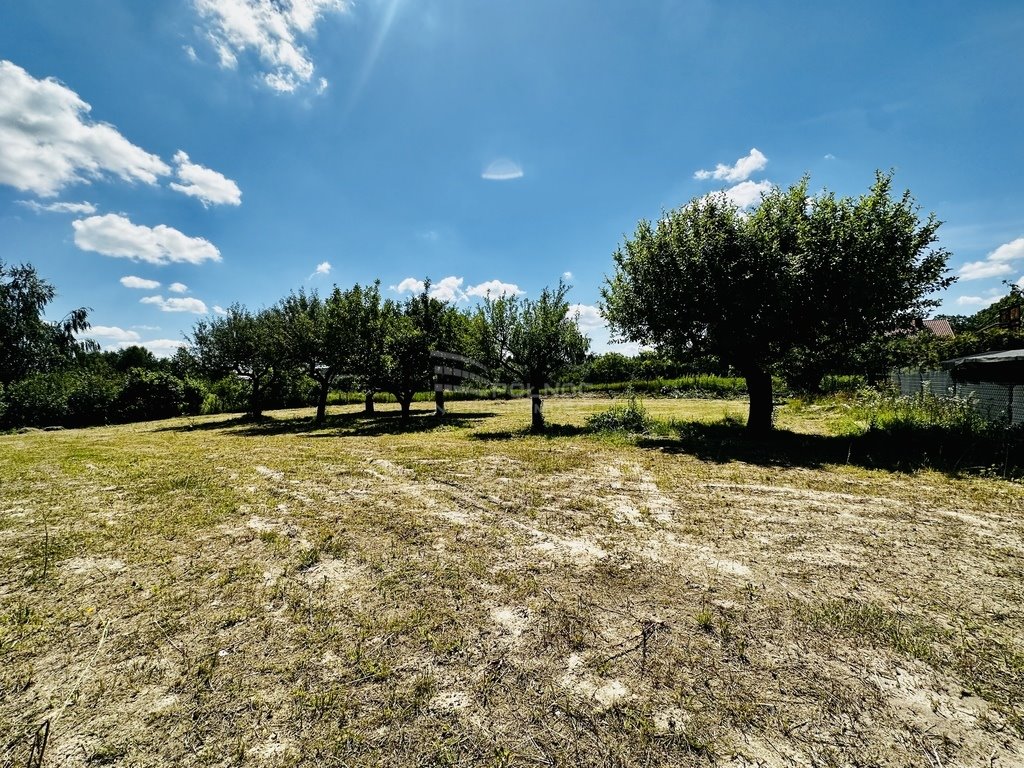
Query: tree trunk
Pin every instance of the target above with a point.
(321, 403)
(537, 423)
(439, 402)
(368, 405)
(759, 387)
(406, 401)
(255, 407)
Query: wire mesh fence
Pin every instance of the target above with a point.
(1003, 403)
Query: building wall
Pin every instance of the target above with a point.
(990, 399)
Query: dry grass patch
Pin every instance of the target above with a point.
(215, 592)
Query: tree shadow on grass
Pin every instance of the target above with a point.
(898, 450)
(340, 425)
(550, 431)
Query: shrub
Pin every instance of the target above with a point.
(148, 395)
(193, 395)
(889, 412)
(91, 398)
(629, 417)
(227, 395)
(39, 400)
(698, 385)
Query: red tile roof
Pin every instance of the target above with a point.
(938, 327)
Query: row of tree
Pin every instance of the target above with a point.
(358, 339)
(799, 287)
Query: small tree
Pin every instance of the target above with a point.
(412, 331)
(368, 316)
(250, 346)
(28, 342)
(323, 336)
(535, 342)
(799, 278)
(405, 363)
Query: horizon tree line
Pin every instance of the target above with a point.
(799, 286)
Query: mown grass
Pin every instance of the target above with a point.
(213, 591)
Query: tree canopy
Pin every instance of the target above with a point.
(800, 281)
(29, 343)
(412, 331)
(535, 342)
(326, 338)
(249, 345)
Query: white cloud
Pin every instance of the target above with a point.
(130, 281)
(1010, 251)
(79, 208)
(111, 332)
(502, 170)
(977, 270)
(589, 316)
(177, 288)
(114, 235)
(996, 263)
(176, 305)
(830, 156)
(747, 193)
(448, 289)
(494, 289)
(567, 275)
(596, 329)
(147, 327)
(190, 52)
(219, 310)
(409, 285)
(47, 141)
(741, 170)
(323, 268)
(977, 302)
(159, 347)
(322, 85)
(273, 30)
(211, 187)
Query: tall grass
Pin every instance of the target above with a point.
(945, 432)
(699, 385)
(886, 411)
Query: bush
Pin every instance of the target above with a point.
(699, 385)
(194, 395)
(91, 398)
(147, 395)
(227, 395)
(39, 400)
(630, 417)
(940, 432)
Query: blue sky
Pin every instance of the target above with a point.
(161, 160)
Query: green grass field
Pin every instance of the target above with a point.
(214, 592)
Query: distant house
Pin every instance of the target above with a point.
(937, 327)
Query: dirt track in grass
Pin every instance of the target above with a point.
(211, 592)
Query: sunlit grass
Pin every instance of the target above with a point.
(214, 591)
